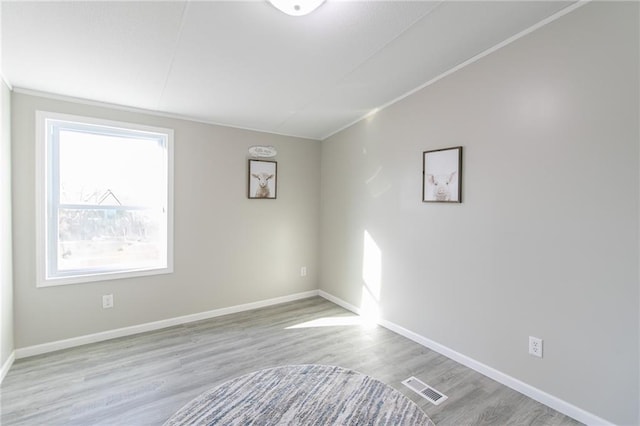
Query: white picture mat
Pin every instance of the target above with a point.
(441, 164)
(257, 167)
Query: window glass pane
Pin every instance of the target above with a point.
(111, 170)
(110, 238)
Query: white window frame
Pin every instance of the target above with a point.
(43, 172)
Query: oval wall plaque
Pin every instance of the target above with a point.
(262, 151)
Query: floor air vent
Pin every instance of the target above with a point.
(424, 390)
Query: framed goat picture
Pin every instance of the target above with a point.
(442, 175)
(263, 179)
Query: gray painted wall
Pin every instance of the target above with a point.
(6, 280)
(229, 250)
(546, 240)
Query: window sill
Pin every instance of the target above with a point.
(101, 276)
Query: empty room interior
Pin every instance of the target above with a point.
(197, 193)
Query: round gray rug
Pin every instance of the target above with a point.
(301, 395)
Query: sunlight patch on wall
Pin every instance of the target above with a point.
(372, 278)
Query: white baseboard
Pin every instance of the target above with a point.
(532, 392)
(156, 325)
(331, 298)
(7, 365)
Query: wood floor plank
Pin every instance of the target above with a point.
(144, 379)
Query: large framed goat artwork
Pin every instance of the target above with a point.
(442, 175)
(263, 179)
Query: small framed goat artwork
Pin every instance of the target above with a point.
(263, 179)
(442, 175)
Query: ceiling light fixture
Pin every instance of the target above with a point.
(296, 7)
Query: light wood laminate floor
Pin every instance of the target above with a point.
(144, 379)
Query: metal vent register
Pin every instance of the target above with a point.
(424, 390)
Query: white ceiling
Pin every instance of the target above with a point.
(246, 64)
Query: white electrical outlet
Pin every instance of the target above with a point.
(107, 301)
(303, 271)
(535, 346)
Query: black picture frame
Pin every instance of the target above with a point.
(262, 180)
(442, 175)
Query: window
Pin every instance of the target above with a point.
(104, 206)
